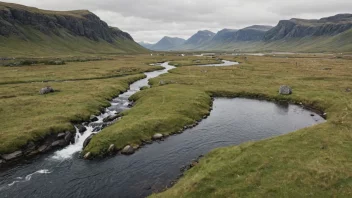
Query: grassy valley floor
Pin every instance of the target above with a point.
(315, 161)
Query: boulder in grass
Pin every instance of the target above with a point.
(285, 90)
(46, 90)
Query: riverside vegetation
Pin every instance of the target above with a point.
(310, 162)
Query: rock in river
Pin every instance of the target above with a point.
(61, 135)
(87, 155)
(285, 90)
(111, 118)
(81, 128)
(44, 148)
(12, 156)
(59, 143)
(68, 136)
(93, 118)
(86, 142)
(157, 136)
(128, 150)
(111, 148)
(46, 90)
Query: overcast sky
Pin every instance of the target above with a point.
(150, 20)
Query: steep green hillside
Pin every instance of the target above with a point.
(26, 31)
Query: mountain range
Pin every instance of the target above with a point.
(165, 43)
(326, 34)
(30, 31)
(27, 31)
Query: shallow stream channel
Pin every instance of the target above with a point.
(155, 166)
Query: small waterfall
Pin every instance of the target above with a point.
(118, 104)
(68, 151)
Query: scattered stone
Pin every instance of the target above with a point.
(46, 90)
(68, 136)
(30, 147)
(61, 135)
(128, 150)
(327, 68)
(348, 89)
(312, 115)
(87, 155)
(59, 143)
(162, 82)
(44, 148)
(193, 164)
(12, 156)
(135, 147)
(111, 148)
(96, 125)
(86, 142)
(111, 118)
(33, 153)
(157, 136)
(93, 118)
(97, 129)
(130, 105)
(147, 141)
(285, 90)
(2, 162)
(81, 128)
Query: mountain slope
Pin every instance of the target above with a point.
(168, 43)
(146, 45)
(251, 33)
(197, 40)
(224, 35)
(200, 38)
(299, 28)
(58, 32)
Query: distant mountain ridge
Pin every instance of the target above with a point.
(167, 43)
(28, 24)
(299, 28)
(332, 33)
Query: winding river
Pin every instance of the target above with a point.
(152, 168)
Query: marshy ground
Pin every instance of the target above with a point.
(315, 161)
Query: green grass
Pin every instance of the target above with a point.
(312, 162)
(338, 43)
(164, 109)
(39, 44)
(119, 66)
(27, 116)
(74, 13)
(189, 60)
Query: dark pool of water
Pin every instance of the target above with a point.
(233, 121)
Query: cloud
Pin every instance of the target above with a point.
(150, 20)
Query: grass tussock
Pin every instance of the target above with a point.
(165, 109)
(312, 162)
(27, 116)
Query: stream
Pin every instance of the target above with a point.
(154, 167)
